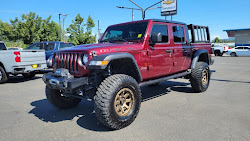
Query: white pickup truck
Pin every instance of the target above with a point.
(219, 50)
(24, 62)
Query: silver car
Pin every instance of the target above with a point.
(239, 51)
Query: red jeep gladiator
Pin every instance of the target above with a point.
(128, 56)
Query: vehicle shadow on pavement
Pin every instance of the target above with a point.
(20, 79)
(221, 80)
(85, 110)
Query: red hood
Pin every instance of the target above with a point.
(102, 48)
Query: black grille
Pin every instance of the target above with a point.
(67, 61)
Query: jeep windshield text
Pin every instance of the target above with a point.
(128, 56)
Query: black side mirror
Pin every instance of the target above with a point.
(156, 38)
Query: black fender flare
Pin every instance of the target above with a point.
(197, 56)
(114, 56)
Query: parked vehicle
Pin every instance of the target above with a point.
(219, 50)
(50, 48)
(24, 62)
(239, 51)
(128, 56)
(14, 48)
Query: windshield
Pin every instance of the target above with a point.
(65, 45)
(125, 32)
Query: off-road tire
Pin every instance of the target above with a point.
(196, 78)
(3, 76)
(29, 75)
(56, 98)
(105, 97)
(233, 54)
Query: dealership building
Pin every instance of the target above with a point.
(242, 36)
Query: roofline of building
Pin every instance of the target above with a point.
(236, 29)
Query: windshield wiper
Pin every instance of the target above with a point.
(121, 40)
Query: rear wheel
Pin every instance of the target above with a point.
(56, 98)
(200, 77)
(233, 54)
(117, 101)
(3, 75)
(217, 53)
(29, 75)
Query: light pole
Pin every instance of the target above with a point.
(99, 36)
(129, 8)
(149, 8)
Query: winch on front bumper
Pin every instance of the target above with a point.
(62, 80)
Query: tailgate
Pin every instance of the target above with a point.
(32, 56)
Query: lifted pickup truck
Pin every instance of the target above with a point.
(20, 62)
(128, 56)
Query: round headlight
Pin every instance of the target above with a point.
(85, 59)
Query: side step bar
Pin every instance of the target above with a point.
(163, 79)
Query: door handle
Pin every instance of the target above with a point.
(169, 51)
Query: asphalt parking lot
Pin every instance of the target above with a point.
(169, 111)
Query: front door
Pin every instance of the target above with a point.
(161, 62)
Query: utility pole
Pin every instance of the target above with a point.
(99, 34)
(60, 27)
(64, 17)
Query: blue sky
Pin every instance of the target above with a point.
(217, 14)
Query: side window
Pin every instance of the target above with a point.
(36, 46)
(49, 46)
(239, 48)
(163, 29)
(2, 46)
(178, 33)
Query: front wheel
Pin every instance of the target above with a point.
(56, 98)
(233, 54)
(117, 101)
(200, 77)
(29, 75)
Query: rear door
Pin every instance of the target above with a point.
(182, 50)
(239, 51)
(161, 62)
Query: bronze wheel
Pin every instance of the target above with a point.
(117, 101)
(124, 102)
(205, 74)
(200, 77)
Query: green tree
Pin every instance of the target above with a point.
(5, 30)
(217, 40)
(32, 28)
(50, 30)
(77, 34)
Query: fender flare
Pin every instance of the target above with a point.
(197, 56)
(114, 56)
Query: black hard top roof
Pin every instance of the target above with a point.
(167, 21)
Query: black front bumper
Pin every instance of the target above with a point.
(67, 85)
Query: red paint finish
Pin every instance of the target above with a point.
(154, 61)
